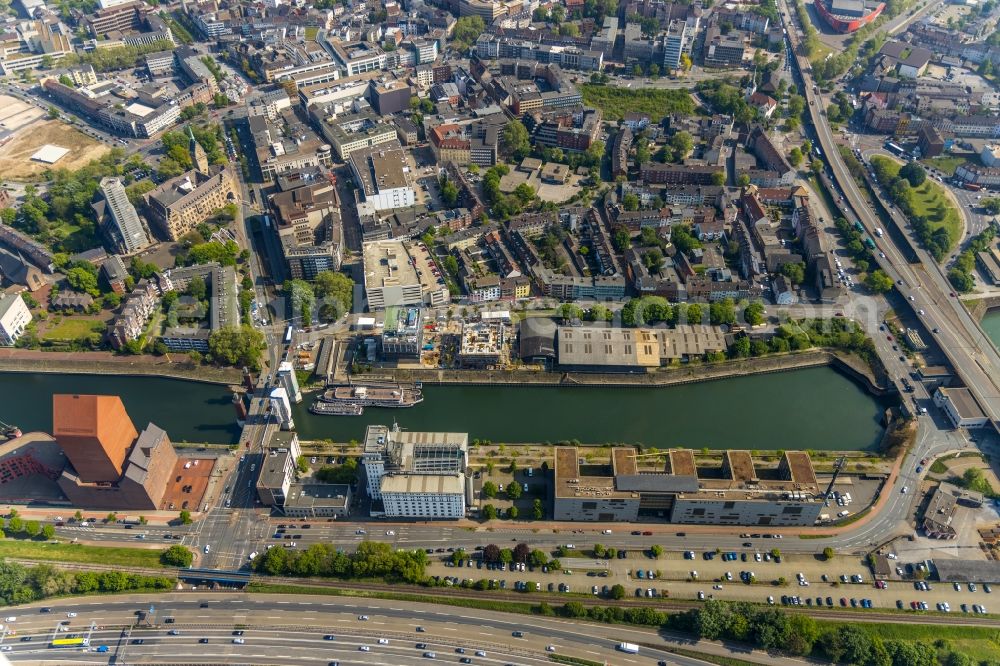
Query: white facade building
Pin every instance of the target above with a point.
(288, 380)
(433, 496)
(282, 408)
(14, 318)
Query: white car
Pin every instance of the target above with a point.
(70, 614)
(383, 641)
(390, 533)
(904, 490)
(550, 648)
(365, 648)
(363, 618)
(4, 648)
(239, 641)
(208, 549)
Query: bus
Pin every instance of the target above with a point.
(894, 148)
(288, 336)
(79, 641)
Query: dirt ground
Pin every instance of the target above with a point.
(15, 114)
(15, 156)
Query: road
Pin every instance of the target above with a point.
(295, 627)
(958, 335)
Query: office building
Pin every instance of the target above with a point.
(286, 378)
(348, 132)
(675, 44)
(381, 175)
(117, 218)
(677, 490)
(390, 96)
(402, 333)
(417, 474)
(180, 204)
(14, 318)
(961, 407)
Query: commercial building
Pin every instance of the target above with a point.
(961, 407)
(381, 175)
(358, 57)
(111, 465)
(117, 218)
(278, 489)
(180, 204)
(675, 44)
(14, 318)
(286, 143)
(401, 273)
(119, 18)
(390, 96)
(417, 474)
(679, 491)
(942, 507)
(307, 216)
(353, 131)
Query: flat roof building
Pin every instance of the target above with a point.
(961, 407)
(737, 493)
(401, 273)
(382, 176)
(417, 474)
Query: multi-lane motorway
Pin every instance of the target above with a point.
(310, 630)
(958, 335)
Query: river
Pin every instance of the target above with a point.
(991, 326)
(815, 408)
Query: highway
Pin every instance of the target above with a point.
(959, 336)
(296, 628)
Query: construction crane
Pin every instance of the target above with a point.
(837, 467)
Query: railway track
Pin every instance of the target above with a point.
(446, 595)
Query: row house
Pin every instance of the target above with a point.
(131, 321)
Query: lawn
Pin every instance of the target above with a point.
(71, 328)
(929, 201)
(946, 164)
(980, 643)
(311, 33)
(614, 102)
(68, 552)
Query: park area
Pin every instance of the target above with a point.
(29, 137)
(615, 102)
(928, 200)
(71, 329)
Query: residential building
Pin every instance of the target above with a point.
(115, 274)
(683, 493)
(14, 318)
(417, 474)
(117, 218)
(223, 305)
(483, 344)
(131, 320)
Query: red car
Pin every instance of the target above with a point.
(647, 534)
(889, 338)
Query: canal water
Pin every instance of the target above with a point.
(991, 326)
(815, 408)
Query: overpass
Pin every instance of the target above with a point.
(925, 286)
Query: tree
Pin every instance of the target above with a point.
(515, 142)
(719, 178)
(467, 30)
(795, 272)
(741, 347)
(617, 591)
(489, 512)
(335, 292)
(81, 279)
(491, 553)
(197, 289)
(558, 14)
(795, 157)
(185, 517)
(630, 201)
(449, 192)
(656, 550)
(878, 281)
(302, 464)
(686, 62)
(743, 180)
(237, 346)
(682, 143)
(489, 490)
(828, 553)
(514, 490)
(49, 532)
(513, 513)
(537, 510)
(754, 313)
(177, 556)
(32, 528)
(521, 552)
(569, 30)
(913, 173)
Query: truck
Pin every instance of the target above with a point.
(101, 648)
(628, 648)
(972, 187)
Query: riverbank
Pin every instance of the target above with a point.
(849, 364)
(106, 363)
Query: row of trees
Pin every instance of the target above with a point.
(772, 628)
(960, 274)
(370, 560)
(898, 183)
(647, 310)
(20, 584)
(490, 512)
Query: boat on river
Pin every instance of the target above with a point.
(336, 408)
(373, 395)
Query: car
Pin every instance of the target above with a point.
(986, 588)
(363, 618)
(843, 601)
(46, 609)
(747, 544)
(239, 641)
(420, 646)
(70, 614)
(202, 640)
(5, 648)
(383, 641)
(972, 587)
(26, 639)
(429, 655)
(238, 632)
(329, 637)
(138, 641)
(701, 595)
(904, 490)
(517, 634)
(550, 648)
(364, 648)
(174, 632)
(208, 549)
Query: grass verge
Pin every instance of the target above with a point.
(48, 551)
(946, 164)
(980, 643)
(930, 202)
(576, 661)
